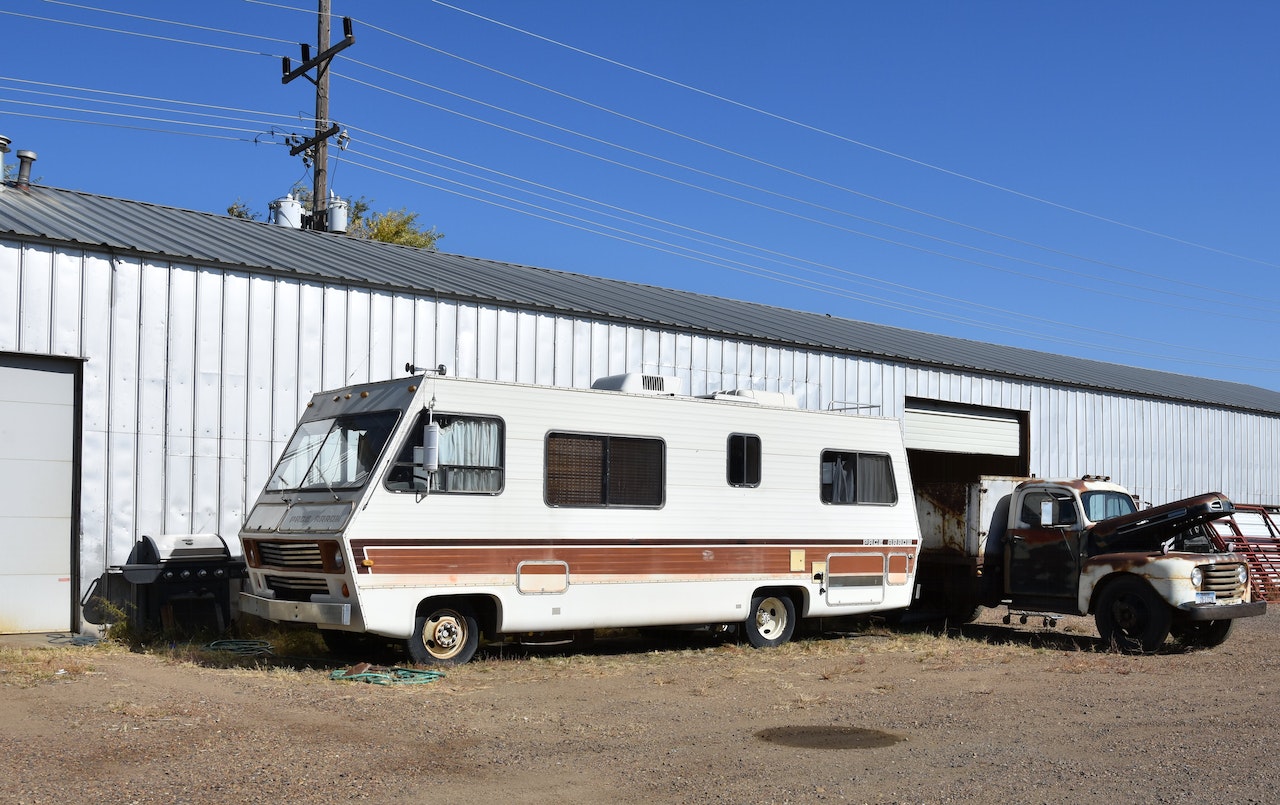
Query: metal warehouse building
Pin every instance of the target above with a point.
(153, 362)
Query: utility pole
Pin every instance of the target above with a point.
(324, 128)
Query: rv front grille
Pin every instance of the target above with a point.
(1223, 580)
(288, 588)
(291, 555)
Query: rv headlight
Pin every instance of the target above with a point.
(1242, 574)
(1197, 577)
(337, 560)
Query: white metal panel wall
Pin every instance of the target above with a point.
(194, 378)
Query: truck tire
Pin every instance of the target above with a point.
(1204, 634)
(1131, 618)
(445, 635)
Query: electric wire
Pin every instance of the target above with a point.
(773, 209)
(872, 300)
(791, 172)
(721, 178)
(632, 238)
(712, 240)
(852, 141)
(773, 274)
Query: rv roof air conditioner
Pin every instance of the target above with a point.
(778, 399)
(637, 383)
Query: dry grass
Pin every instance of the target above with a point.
(27, 666)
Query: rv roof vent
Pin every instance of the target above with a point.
(637, 383)
(776, 398)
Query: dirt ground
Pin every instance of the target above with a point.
(989, 714)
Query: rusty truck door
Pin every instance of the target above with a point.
(1043, 561)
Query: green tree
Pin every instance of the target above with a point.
(393, 226)
(241, 210)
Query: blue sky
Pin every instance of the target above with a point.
(1093, 179)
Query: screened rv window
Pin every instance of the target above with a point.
(849, 478)
(744, 460)
(592, 470)
(471, 457)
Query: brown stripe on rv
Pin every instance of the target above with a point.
(615, 559)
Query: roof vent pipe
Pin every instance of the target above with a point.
(25, 158)
(4, 149)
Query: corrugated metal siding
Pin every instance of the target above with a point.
(195, 376)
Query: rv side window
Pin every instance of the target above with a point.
(588, 470)
(848, 478)
(744, 460)
(471, 457)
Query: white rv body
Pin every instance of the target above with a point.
(697, 539)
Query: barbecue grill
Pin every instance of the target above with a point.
(183, 580)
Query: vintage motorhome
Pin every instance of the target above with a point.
(433, 509)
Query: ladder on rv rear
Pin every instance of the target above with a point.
(1253, 533)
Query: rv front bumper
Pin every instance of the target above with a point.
(1214, 612)
(273, 609)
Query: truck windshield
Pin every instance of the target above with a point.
(327, 454)
(1101, 505)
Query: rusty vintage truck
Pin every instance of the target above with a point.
(1080, 547)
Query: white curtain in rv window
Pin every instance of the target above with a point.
(469, 453)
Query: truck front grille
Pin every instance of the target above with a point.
(291, 555)
(1223, 580)
(288, 588)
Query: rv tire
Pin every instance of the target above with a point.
(444, 635)
(772, 620)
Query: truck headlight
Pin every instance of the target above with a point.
(1242, 574)
(1197, 577)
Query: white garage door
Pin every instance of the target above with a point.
(951, 428)
(37, 466)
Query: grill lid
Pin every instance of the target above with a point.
(153, 554)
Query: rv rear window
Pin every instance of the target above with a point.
(591, 471)
(850, 478)
(471, 457)
(743, 460)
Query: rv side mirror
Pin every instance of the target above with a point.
(426, 459)
(1046, 513)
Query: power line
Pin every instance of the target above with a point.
(734, 265)
(777, 210)
(852, 141)
(794, 173)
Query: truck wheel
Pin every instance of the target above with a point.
(1204, 634)
(446, 635)
(1131, 618)
(772, 621)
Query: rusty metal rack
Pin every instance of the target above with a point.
(1252, 532)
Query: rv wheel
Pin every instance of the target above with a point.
(1131, 618)
(445, 636)
(772, 620)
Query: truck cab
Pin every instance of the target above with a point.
(1084, 547)
(1080, 547)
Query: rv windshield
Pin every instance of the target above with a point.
(327, 454)
(1099, 506)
